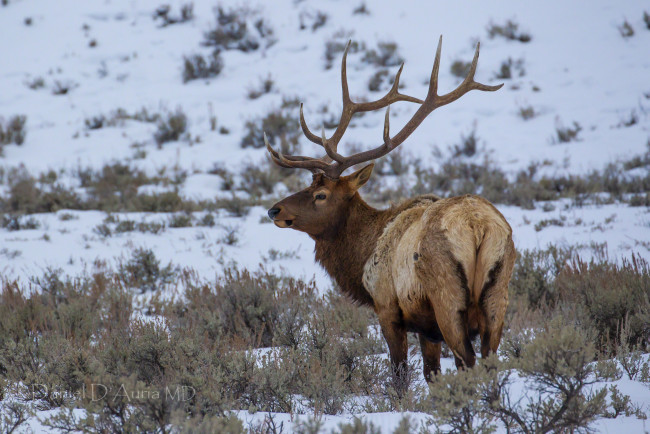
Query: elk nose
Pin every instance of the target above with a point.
(273, 212)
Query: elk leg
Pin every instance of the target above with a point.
(452, 320)
(430, 357)
(394, 332)
(494, 301)
(460, 344)
(493, 312)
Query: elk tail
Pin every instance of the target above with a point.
(489, 261)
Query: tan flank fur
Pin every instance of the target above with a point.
(436, 267)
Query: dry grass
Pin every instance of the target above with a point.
(233, 30)
(509, 30)
(13, 130)
(198, 67)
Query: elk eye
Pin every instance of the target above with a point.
(321, 196)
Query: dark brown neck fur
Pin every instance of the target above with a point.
(344, 249)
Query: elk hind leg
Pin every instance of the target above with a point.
(450, 303)
(494, 301)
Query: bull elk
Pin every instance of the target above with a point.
(436, 267)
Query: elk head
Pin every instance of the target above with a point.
(323, 204)
(320, 207)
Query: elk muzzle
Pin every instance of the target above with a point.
(281, 218)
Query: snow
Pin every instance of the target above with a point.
(74, 245)
(585, 71)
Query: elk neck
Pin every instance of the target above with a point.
(344, 249)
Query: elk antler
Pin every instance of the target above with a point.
(334, 164)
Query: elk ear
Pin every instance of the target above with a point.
(360, 177)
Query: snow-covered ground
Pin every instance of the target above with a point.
(74, 245)
(578, 68)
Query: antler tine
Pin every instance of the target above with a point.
(305, 129)
(274, 155)
(395, 89)
(387, 141)
(295, 161)
(433, 81)
(392, 96)
(310, 164)
(331, 151)
(344, 76)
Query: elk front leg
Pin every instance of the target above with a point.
(430, 357)
(392, 327)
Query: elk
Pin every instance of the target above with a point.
(436, 267)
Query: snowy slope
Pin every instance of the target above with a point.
(585, 70)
